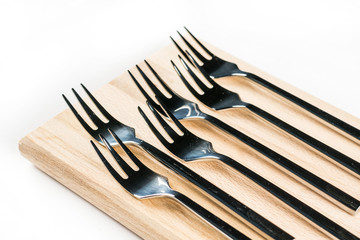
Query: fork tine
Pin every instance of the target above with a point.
(125, 167)
(187, 84)
(97, 104)
(164, 124)
(201, 45)
(152, 127)
(203, 72)
(148, 98)
(175, 120)
(107, 164)
(126, 149)
(201, 85)
(152, 86)
(181, 51)
(77, 115)
(167, 88)
(201, 57)
(95, 119)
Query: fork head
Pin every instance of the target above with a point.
(186, 146)
(215, 97)
(215, 66)
(177, 105)
(126, 133)
(142, 183)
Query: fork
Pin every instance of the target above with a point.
(217, 98)
(127, 135)
(216, 67)
(145, 183)
(182, 108)
(190, 147)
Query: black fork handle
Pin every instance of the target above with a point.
(353, 131)
(344, 161)
(242, 210)
(290, 200)
(345, 201)
(210, 218)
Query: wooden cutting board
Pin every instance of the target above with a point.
(61, 149)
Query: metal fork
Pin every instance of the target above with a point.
(217, 67)
(145, 183)
(217, 98)
(190, 147)
(127, 135)
(184, 109)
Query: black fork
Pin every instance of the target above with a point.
(190, 147)
(184, 109)
(217, 67)
(145, 183)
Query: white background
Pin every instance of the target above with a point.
(48, 47)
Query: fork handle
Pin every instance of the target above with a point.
(241, 209)
(290, 200)
(341, 159)
(355, 132)
(209, 217)
(346, 201)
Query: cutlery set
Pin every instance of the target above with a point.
(169, 108)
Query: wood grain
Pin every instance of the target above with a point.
(61, 149)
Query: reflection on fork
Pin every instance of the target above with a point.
(145, 183)
(216, 67)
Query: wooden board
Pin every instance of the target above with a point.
(61, 149)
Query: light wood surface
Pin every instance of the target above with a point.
(62, 150)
